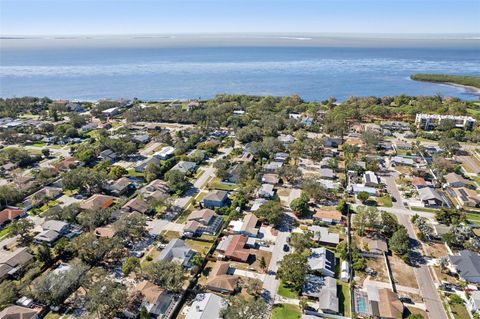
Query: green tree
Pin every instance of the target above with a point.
(270, 212)
(130, 264)
(116, 172)
(263, 264)
(131, 226)
(300, 205)
(293, 269)
(152, 172)
(177, 181)
(312, 187)
(363, 196)
(240, 307)
(9, 293)
(44, 254)
(22, 227)
(91, 249)
(166, 274)
(105, 298)
(398, 243)
(301, 241)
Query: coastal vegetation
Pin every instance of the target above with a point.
(473, 81)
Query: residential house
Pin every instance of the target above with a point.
(323, 289)
(108, 155)
(286, 139)
(111, 111)
(202, 221)
(206, 306)
(327, 173)
(331, 216)
(155, 189)
(197, 154)
(467, 265)
(107, 231)
(185, 167)
(19, 312)
(215, 198)
(402, 161)
(257, 203)
(165, 153)
(332, 141)
(280, 157)
(220, 280)
(430, 197)
(455, 180)
(383, 303)
(135, 205)
(42, 196)
(9, 214)
(158, 302)
(141, 138)
(247, 226)
(97, 201)
(233, 248)
(143, 165)
(419, 182)
(345, 271)
(272, 167)
(273, 179)
(246, 157)
(120, 186)
(266, 191)
(322, 260)
(12, 262)
(176, 251)
(466, 197)
(66, 164)
(370, 179)
(323, 236)
(359, 188)
(52, 231)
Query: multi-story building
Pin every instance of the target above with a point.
(431, 121)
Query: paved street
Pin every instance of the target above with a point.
(270, 285)
(428, 290)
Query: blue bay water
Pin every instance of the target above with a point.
(154, 73)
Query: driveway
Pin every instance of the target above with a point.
(249, 274)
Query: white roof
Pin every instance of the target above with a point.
(206, 306)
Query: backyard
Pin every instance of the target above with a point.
(285, 291)
(286, 311)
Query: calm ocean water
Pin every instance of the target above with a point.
(167, 72)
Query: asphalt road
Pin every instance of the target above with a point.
(270, 284)
(428, 291)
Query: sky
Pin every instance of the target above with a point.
(107, 17)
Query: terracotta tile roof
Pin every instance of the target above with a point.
(97, 201)
(418, 181)
(236, 248)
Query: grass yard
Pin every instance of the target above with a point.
(424, 209)
(286, 292)
(343, 298)
(133, 173)
(39, 144)
(459, 311)
(217, 184)
(473, 218)
(286, 311)
(52, 315)
(199, 246)
(385, 201)
(5, 232)
(170, 235)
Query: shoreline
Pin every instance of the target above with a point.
(467, 88)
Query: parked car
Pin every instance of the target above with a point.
(286, 248)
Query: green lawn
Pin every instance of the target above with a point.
(459, 311)
(343, 298)
(424, 209)
(385, 201)
(133, 173)
(286, 311)
(473, 218)
(199, 246)
(4, 232)
(217, 184)
(286, 292)
(39, 144)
